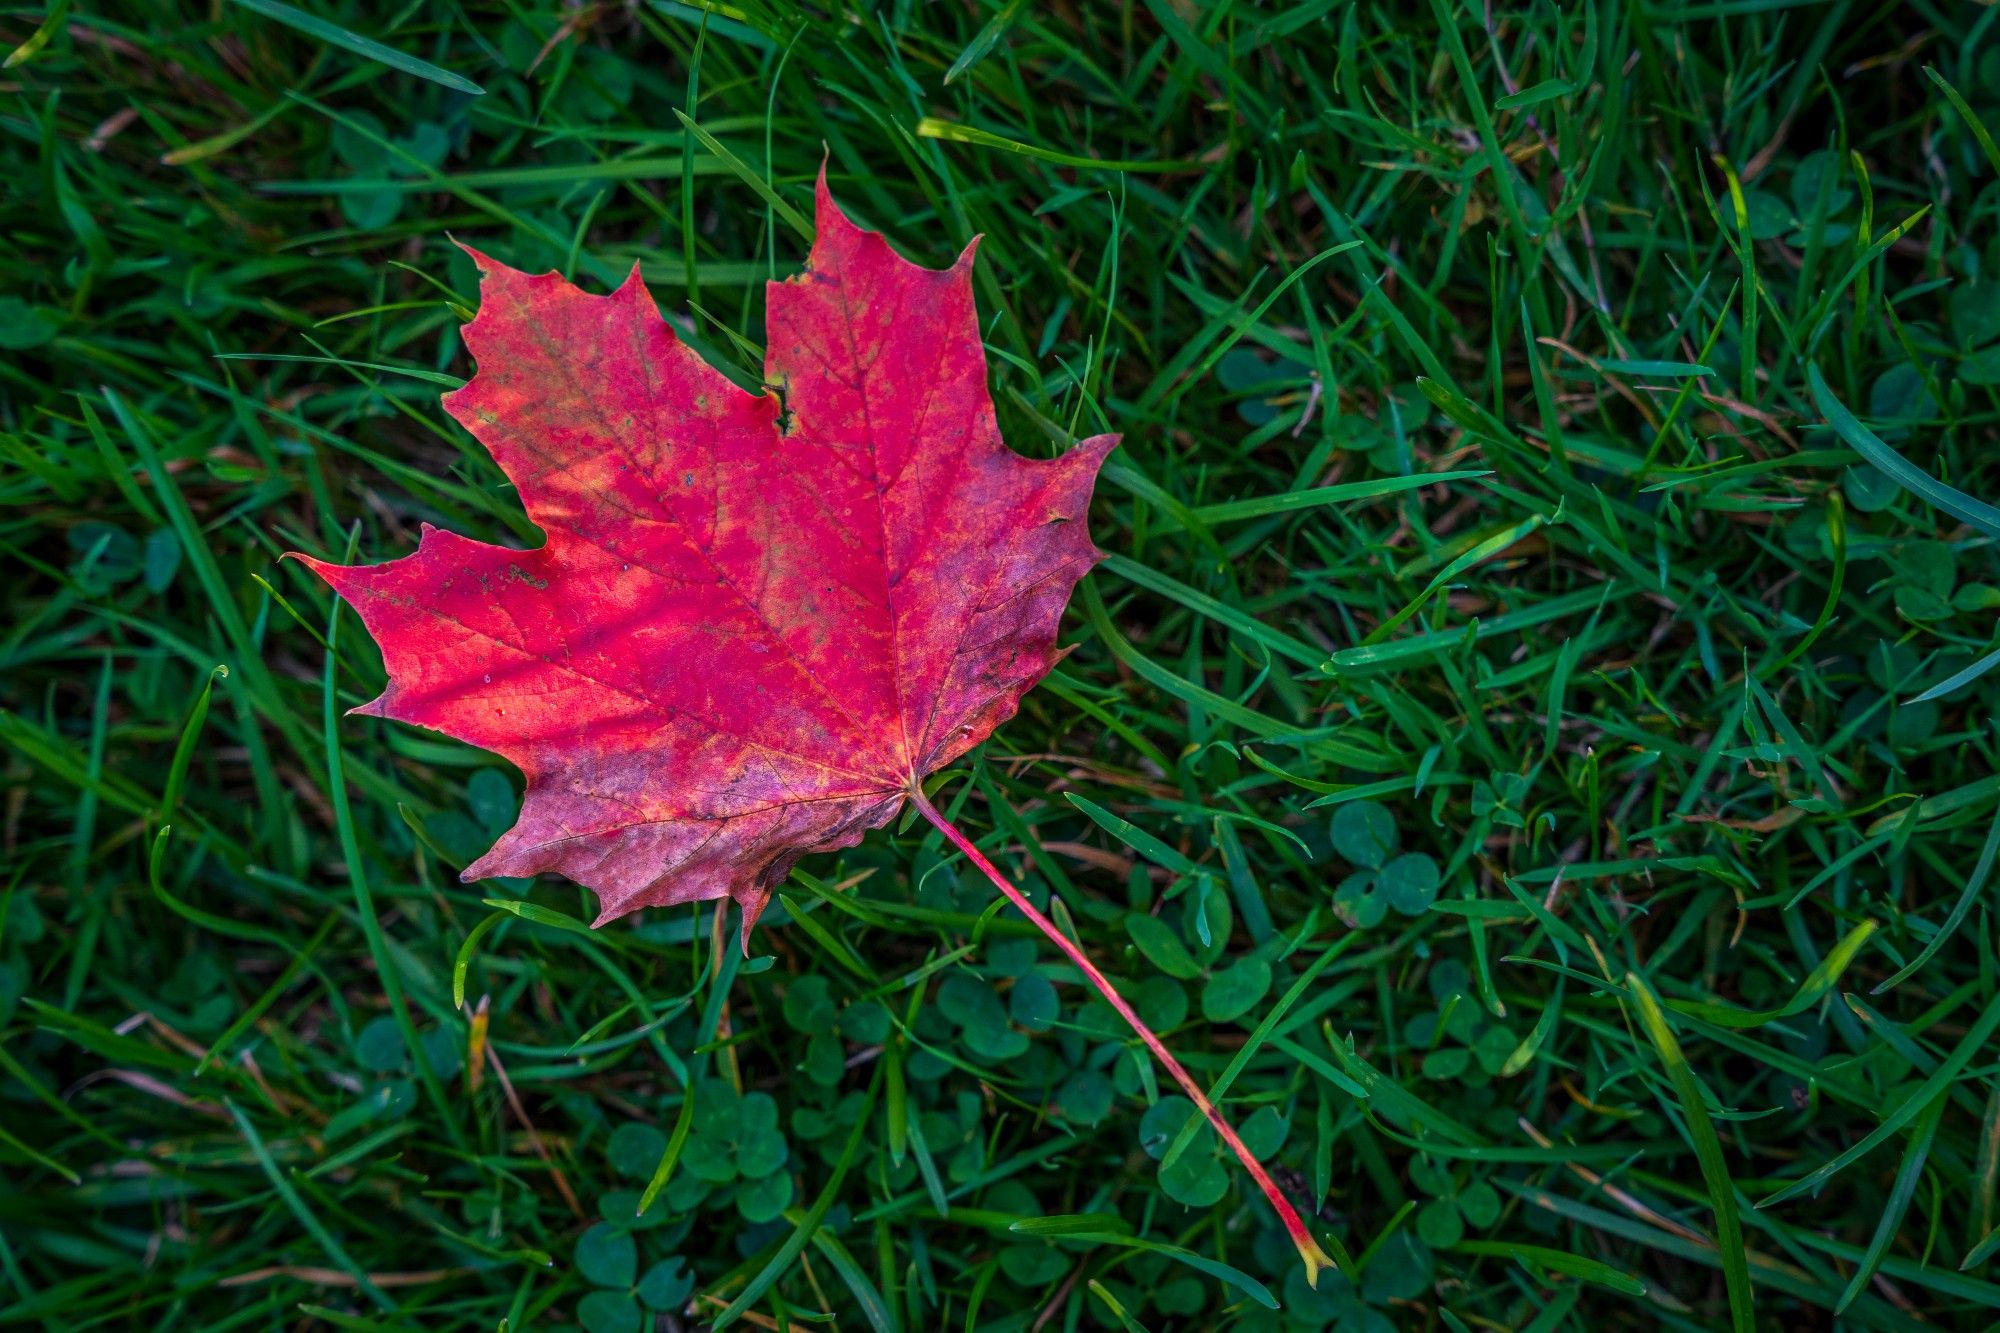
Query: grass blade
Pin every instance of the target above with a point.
(1905, 1188)
(1707, 1150)
(1893, 465)
(367, 48)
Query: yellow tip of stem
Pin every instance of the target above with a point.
(1314, 1258)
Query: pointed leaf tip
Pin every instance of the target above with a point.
(482, 261)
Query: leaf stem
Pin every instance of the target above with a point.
(1309, 1250)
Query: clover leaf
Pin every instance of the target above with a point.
(1032, 1002)
(763, 1199)
(1235, 990)
(736, 1140)
(667, 1285)
(1197, 1178)
(809, 1007)
(607, 1257)
(609, 1312)
(1479, 1045)
(1501, 798)
(1085, 1097)
(1443, 1221)
(1033, 1265)
(1358, 903)
(985, 1026)
(635, 1149)
(1410, 883)
(1385, 876)
(1365, 833)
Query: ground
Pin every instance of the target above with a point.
(1529, 740)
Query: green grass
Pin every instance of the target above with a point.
(1564, 863)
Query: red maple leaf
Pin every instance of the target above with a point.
(758, 620)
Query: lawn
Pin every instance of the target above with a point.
(1528, 745)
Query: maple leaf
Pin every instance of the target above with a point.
(758, 621)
